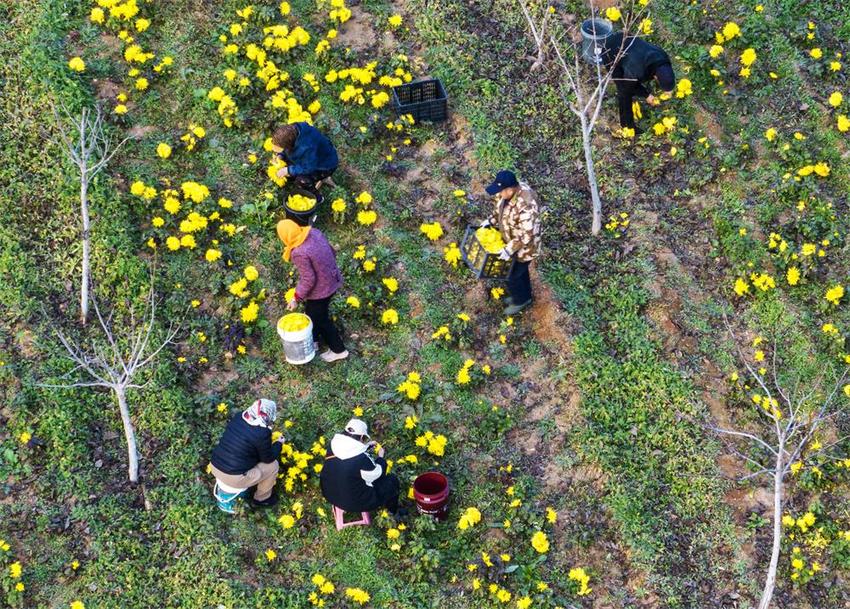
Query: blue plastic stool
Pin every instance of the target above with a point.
(226, 499)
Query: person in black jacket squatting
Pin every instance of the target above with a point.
(352, 479)
(640, 63)
(246, 456)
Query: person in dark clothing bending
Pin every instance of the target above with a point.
(638, 65)
(246, 456)
(310, 156)
(352, 479)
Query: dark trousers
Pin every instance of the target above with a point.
(627, 90)
(323, 326)
(519, 283)
(387, 490)
(308, 181)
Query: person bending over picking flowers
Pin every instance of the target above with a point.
(310, 156)
(517, 217)
(318, 280)
(352, 479)
(639, 64)
(246, 456)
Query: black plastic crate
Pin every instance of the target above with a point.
(481, 262)
(425, 100)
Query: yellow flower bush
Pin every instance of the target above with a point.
(248, 314)
(389, 317)
(359, 596)
(411, 387)
(435, 444)
(367, 217)
(834, 294)
(433, 230)
(579, 576)
(470, 517)
(452, 254)
(540, 542)
(77, 64)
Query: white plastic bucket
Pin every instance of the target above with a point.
(298, 346)
(593, 34)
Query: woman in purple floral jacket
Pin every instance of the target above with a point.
(318, 280)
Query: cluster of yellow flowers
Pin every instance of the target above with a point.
(297, 464)
(618, 223)
(470, 517)
(768, 404)
(119, 20)
(359, 596)
(435, 444)
(411, 387)
(490, 239)
(433, 230)
(820, 169)
(324, 587)
(16, 571)
(300, 203)
(293, 322)
(540, 542)
(463, 377)
(452, 254)
(389, 317)
(192, 135)
(834, 294)
(762, 281)
(579, 576)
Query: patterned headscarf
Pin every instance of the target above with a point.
(261, 413)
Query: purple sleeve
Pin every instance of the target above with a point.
(306, 275)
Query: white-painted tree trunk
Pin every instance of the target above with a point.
(770, 583)
(84, 288)
(129, 434)
(596, 202)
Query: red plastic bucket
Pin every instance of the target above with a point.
(431, 492)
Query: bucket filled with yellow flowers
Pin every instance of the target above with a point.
(480, 251)
(300, 209)
(296, 332)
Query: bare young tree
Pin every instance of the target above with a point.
(792, 419)
(86, 144)
(117, 364)
(583, 85)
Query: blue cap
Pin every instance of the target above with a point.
(504, 179)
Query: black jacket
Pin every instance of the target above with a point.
(351, 479)
(637, 66)
(242, 446)
(639, 61)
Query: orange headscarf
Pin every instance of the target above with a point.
(292, 236)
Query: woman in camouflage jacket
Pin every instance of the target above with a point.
(517, 216)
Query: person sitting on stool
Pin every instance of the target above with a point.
(246, 456)
(310, 156)
(517, 217)
(352, 479)
(639, 64)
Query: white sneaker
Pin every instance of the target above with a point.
(329, 356)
